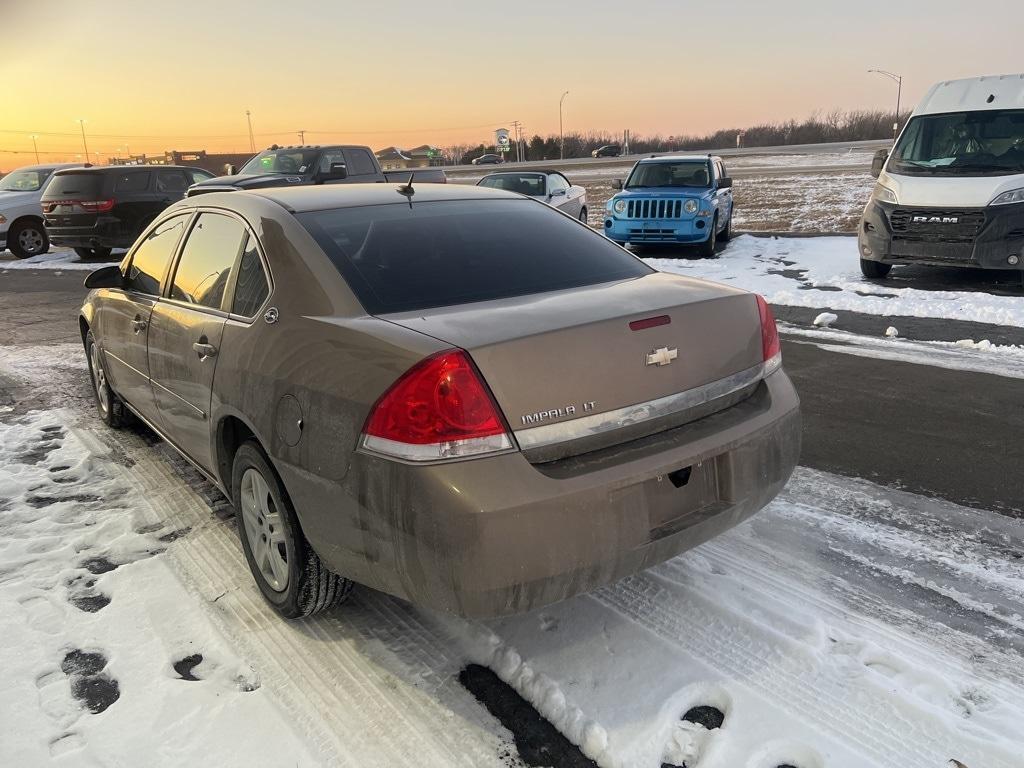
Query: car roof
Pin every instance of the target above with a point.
(675, 158)
(526, 172)
(42, 166)
(326, 196)
(122, 168)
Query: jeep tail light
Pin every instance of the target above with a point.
(438, 409)
(771, 347)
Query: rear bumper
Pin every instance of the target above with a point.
(1000, 236)
(496, 536)
(105, 234)
(695, 230)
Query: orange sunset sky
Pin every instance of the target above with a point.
(152, 76)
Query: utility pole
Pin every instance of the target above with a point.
(35, 147)
(252, 141)
(518, 128)
(898, 79)
(81, 122)
(561, 134)
(302, 137)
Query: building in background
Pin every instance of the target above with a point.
(395, 159)
(200, 158)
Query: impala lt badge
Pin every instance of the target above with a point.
(662, 356)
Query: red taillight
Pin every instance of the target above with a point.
(771, 348)
(440, 408)
(96, 206)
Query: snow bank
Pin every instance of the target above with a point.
(58, 260)
(824, 272)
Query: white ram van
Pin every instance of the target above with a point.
(951, 192)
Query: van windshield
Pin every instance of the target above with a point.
(988, 143)
(688, 173)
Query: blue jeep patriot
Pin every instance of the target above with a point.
(683, 199)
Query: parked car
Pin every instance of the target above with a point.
(21, 221)
(99, 208)
(487, 159)
(482, 420)
(312, 165)
(548, 186)
(952, 191)
(608, 150)
(680, 199)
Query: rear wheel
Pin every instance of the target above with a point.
(27, 238)
(92, 253)
(109, 407)
(288, 572)
(874, 270)
(707, 248)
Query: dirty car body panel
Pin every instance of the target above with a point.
(639, 414)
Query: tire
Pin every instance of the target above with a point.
(108, 405)
(86, 254)
(707, 248)
(27, 239)
(288, 572)
(583, 215)
(726, 234)
(874, 270)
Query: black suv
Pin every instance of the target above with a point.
(95, 210)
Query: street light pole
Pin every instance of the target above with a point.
(561, 134)
(898, 79)
(252, 141)
(35, 147)
(81, 122)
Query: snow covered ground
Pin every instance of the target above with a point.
(57, 259)
(825, 272)
(846, 626)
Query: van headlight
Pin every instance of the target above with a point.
(619, 206)
(690, 206)
(884, 195)
(1010, 196)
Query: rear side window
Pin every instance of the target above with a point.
(251, 287)
(207, 260)
(360, 163)
(136, 181)
(401, 258)
(73, 186)
(149, 262)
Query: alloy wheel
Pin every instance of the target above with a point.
(264, 530)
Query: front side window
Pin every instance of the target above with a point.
(988, 143)
(251, 286)
(172, 182)
(198, 175)
(207, 259)
(405, 257)
(149, 261)
(689, 174)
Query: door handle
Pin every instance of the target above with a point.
(138, 324)
(204, 350)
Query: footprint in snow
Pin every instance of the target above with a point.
(90, 684)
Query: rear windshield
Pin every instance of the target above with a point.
(74, 186)
(404, 257)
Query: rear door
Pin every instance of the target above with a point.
(124, 315)
(134, 203)
(186, 330)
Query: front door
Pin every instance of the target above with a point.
(186, 330)
(124, 315)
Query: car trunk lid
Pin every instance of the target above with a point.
(626, 349)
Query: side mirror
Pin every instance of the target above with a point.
(230, 170)
(725, 182)
(878, 162)
(105, 277)
(557, 193)
(337, 171)
(616, 183)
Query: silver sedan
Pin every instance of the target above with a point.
(548, 186)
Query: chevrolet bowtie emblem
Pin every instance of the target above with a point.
(662, 356)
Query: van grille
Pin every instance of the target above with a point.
(654, 209)
(936, 225)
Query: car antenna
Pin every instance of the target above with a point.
(406, 189)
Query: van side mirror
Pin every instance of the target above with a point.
(878, 162)
(725, 182)
(617, 183)
(105, 277)
(337, 171)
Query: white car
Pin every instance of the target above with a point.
(549, 187)
(21, 218)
